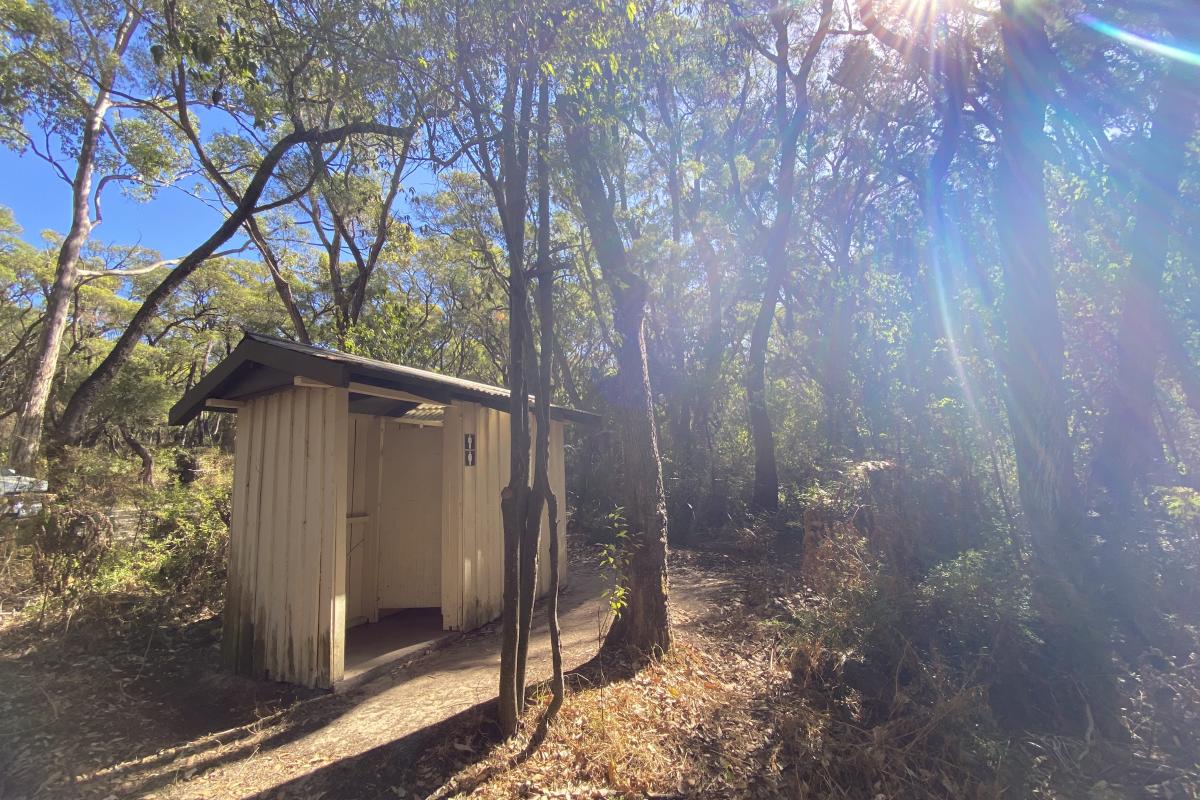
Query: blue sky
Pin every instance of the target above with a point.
(172, 223)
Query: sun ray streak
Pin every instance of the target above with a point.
(1140, 42)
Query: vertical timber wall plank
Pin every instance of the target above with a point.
(374, 526)
(491, 514)
(558, 482)
(470, 424)
(266, 511)
(235, 571)
(297, 582)
(250, 572)
(340, 420)
(452, 544)
(310, 537)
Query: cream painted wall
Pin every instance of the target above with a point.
(410, 519)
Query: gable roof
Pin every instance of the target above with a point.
(261, 363)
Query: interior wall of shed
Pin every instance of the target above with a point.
(394, 502)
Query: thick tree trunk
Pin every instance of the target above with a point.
(1033, 368)
(1034, 361)
(644, 624)
(1130, 446)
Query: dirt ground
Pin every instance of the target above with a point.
(152, 714)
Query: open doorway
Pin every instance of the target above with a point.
(393, 540)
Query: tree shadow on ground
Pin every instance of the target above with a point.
(116, 681)
(162, 758)
(409, 766)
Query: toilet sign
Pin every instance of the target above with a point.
(469, 449)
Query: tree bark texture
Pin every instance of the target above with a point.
(644, 624)
(1130, 446)
(1035, 394)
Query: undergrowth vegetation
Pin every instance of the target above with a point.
(105, 537)
(861, 651)
(915, 678)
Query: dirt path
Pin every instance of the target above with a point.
(368, 741)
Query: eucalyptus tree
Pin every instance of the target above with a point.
(66, 69)
(1129, 457)
(606, 57)
(491, 82)
(258, 55)
(790, 40)
(24, 271)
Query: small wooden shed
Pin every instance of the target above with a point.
(360, 488)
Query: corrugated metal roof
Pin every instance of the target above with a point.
(338, 357)
(426, 412)
(261, 363)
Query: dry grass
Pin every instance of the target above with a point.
(747, 707)
(696, 723)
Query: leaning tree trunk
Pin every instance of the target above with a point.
(70, 427)
(27, 433)
(644, 624)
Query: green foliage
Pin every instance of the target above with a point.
(184, 536)
(615, 558)
(975, 602)
(104, 534)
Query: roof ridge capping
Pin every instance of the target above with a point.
(261, 362)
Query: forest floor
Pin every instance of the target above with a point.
(150, 713)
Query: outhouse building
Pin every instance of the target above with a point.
(360, 489)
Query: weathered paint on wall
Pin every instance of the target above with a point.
(286, 585)
(472, 531)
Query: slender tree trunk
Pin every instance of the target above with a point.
(644, 624)
(545, 391)
(789, 125)
(511, 193)
(70, 427)
(27, 432)
(766, 469)
(713, 356)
